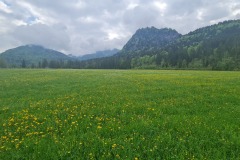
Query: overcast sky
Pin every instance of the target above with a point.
(84, 26)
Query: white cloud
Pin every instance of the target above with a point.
(88, 19)
(161, 5)
(200, 14)
(19, 22)
(132, 5)
(82, 26)
(40, 13)
(80, 4)
(4, 7)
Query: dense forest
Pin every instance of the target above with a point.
(215, 47)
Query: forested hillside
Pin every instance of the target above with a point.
(147, 39)
(215, 47)
(32, 56)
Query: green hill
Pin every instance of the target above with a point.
(31, 55)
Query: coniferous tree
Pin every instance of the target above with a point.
(23, 64)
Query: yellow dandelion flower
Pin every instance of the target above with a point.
(114, 145)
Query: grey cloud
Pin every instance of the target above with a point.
(182, 7)
(141, 16)
(83, 26)
(219, 12)
(50, 36)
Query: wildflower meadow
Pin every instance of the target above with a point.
(119, 114)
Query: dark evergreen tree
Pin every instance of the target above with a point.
(3, 63)
(44, 63)
(23, 64)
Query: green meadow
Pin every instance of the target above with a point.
(119, 114)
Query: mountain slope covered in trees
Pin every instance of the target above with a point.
(146, 39)
(36, 56)
(143, 42)
(215, 47)
(32, 55)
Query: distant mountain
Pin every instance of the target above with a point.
(215, 47)
(31, 55)
(146, 39)
(98, 54)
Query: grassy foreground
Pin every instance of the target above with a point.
(113, 114)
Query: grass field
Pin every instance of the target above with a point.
(118, 114)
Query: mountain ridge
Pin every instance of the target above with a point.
(215, 47)
(98, 54)
(33, 54)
